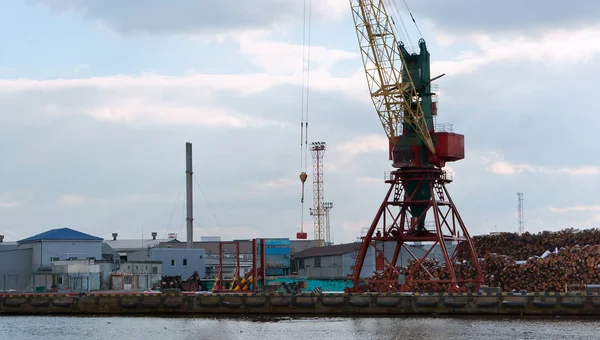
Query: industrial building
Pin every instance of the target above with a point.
(29, 263)
(175, 261)
(278, 251)
(142, 274)
(336, 261)
(125, 246)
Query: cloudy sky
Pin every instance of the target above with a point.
(97, 100)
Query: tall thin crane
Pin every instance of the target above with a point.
(304, 117)
(400, 86)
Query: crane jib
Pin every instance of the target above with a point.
(394, 85)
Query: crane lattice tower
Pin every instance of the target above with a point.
(317, 211)
(521, 224)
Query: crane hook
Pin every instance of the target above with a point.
(303, 177)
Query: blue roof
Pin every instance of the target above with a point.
(62, 234)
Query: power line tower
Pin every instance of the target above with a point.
(317, 211)
(520, 214)
(327, 206)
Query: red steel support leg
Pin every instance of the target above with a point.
(398, 230)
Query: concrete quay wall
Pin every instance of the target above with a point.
(300, 304)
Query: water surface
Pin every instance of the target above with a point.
(418, 328)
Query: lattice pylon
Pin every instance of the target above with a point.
(317, 211)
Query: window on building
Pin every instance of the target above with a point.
(317, 262)
(127, 280)
(60, 280)
(301, 263)
(154, 270)
(52, 259)
(172, 262)
(185, 262)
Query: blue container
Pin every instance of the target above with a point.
(332, 285)
(285, 242)
(277, 251)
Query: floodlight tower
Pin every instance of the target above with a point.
(520, 213)
(327, 206)
(317, 211)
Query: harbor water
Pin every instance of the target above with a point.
(92, 328)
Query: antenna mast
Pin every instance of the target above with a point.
(520, 213)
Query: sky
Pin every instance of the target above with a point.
(98, 98)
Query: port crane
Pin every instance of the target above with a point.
(400, 85)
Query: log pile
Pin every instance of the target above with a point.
(543, 262)
(568, 267)
(522, 247)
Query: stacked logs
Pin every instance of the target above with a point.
(522, 247)
(568, 267)
(543, 262)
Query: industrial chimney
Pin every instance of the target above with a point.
(154, 235)
(1, 238)
(114, 235)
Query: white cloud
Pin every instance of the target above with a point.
(78, 200)
(276, 57)
(227, 233)
(14, 199)
(9, 204)
(73, 200)
(556, 48)
(193, 98)
(347, 151)
(366, 143)
(576, 208)
(370, 180)
(496, 164)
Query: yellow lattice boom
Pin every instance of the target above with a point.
(395, 99)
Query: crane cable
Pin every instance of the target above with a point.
(394, 10)
(304, 113)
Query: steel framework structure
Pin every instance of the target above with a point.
(400, 86)
(317, 211)
(394, 223)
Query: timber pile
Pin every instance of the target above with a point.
(551, 273)
(546, 261)
(464, 270)
(522, 247)
(569, 266)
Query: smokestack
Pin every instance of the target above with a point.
(114, 235)
(1, 238)
(154, 235)
(188, 176)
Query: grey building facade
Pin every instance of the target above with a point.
(15, 269)
(175, 261)
(336, 261)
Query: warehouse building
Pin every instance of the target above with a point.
(336, 261)
(175, 262)
(30, 263)
(125, 246)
